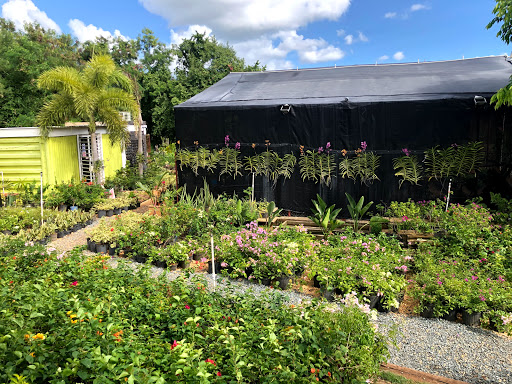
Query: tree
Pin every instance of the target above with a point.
(503, 15)
(24, 55)
(96, 93)
(203, 61)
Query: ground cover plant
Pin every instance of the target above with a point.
(69, 318)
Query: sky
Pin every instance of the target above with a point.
(286, 34)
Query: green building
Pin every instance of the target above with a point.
(65, 155)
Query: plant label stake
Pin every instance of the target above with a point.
(41, 198)
(252, 192)
(448, 198)
(213, 263)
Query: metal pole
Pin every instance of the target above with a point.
(448, 198)
(213, 263)
(41, 198)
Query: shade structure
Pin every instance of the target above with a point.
(390, 107)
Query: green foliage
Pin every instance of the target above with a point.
(272, 212)
(229, 162)
(269, 164)
(450, 162)
(24, 55)
(502, 16)
(318, 167)
(357, 210)
(325, 217)
(364, 166)
(126, 325)
(408, 168)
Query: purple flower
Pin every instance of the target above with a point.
(237, 146)
(320, 149)
(328, 147)
(406, 151)
(226, 140)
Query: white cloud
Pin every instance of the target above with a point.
(238, 20)
(390, 15)
(398, 56)
(264, 30)
(273, 50)
(178, 37)
(340, 32)
(418, 7)
(350, 39)
(383, 58)
(25, 11)
(90, 32)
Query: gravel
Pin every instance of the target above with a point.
(434, 346)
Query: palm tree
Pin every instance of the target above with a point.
(96, 93)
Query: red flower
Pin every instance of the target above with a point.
(211, 361)
(187, 306)
(219, 374)
(74, 283)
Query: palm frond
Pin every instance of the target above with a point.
(98, 71)
(116, 127)
(60, 79)
(54, 113)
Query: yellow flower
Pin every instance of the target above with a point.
(74, 321)
(38, 336)
(69, 312)
(27, 336)
(32, 354)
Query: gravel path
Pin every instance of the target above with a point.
(435, 346)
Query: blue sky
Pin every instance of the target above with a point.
(287, 33)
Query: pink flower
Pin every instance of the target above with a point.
(364, 145)
(187, 306)
(174, 345)
(405, 218)
(74, 283)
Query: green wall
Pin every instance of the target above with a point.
(23, 158)
(20, 158)
(60, 159)
(112, 156)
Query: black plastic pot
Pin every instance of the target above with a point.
(110, 213)
(472, 319)
(452, 315)
(283, 282)
(61, 234)
(101, 213)
(117, 211)
(112, 251)
(184, 264)
(217, 267)
(159, 264)
(91, 245)
(101, 248)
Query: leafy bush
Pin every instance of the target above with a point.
(71, 319)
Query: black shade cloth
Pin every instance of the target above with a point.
(413, 106)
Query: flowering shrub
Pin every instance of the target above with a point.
(370, 265)
(74, 319)
(264, 253)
